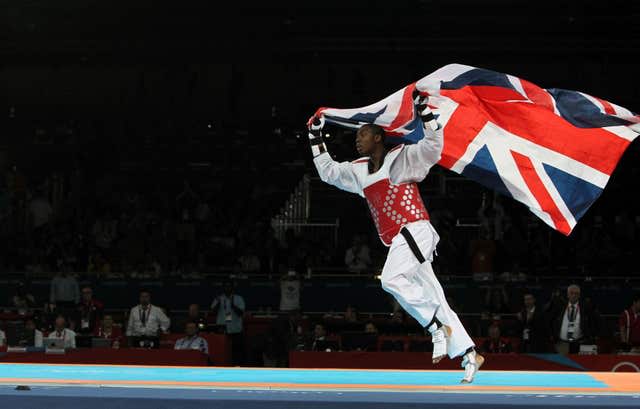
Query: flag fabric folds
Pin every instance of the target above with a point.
(551, 149)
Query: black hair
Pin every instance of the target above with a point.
(375, 130)
(196, 323)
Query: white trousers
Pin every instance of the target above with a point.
(416, 287)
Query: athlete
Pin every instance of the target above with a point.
(387, 179)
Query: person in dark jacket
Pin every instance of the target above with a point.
(532, 326)
(573, 322)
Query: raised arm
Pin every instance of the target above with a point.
(338, 174)
(414, 161)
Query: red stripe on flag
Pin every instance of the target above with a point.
(595, 147)
(492, 93)
(405, 113)
(540, 192)
(537, 95)
(461, 128)
(608, 108)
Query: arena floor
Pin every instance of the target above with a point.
(110, 386)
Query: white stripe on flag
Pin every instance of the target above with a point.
(553, 101)
(623, 131)
(515, 81)
(594, 101)
(555, 195)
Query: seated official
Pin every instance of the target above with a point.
(60, 331)
(192, 340)
(109, 331)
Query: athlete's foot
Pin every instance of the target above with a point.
(439, 339)
(471, 363)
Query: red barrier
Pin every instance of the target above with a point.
(126, 356)
(219, 346)
(421, 360)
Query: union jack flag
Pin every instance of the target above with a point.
(551, 149)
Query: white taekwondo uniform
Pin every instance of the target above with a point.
(401, 218)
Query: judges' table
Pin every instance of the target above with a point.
(125, 356)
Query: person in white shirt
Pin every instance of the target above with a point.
(3, 338)
(192, 340)
(146, 320)
(357, 257)
(290, 292)
(40, 211)
(64, 290)
(60, 331)
(30, 325)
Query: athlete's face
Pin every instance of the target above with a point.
(366, 141)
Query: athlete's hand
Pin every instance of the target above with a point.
(421, 105)
(315, 126)
(315, 135)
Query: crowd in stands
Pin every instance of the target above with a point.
(85, 226)
(563, 325)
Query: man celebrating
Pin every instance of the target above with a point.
(387, 179)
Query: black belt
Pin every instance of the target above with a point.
(416, 252)
(412, 245)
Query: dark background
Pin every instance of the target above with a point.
(114, 100)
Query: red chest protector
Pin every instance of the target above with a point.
(393, 206)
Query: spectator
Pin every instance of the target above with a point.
(229, 310)
(64, 292)
(40, 212)
(358, 258)
(60, 331)
(192, 340)
(532, 326)
(23, 301)
(99, 266)
(319, 338)
(495, 344)
(30, 327)
(249, 261)
(146, 322)
(185, 236)
(105, 231)
(290, 292)
(109, 331)
(573, 323)
(3, 338)
(193, 315)
(370, 328)
(88, 312)
(629, 322)
(350, 315)
(483, 252)
(496, 302)
(297, 328)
